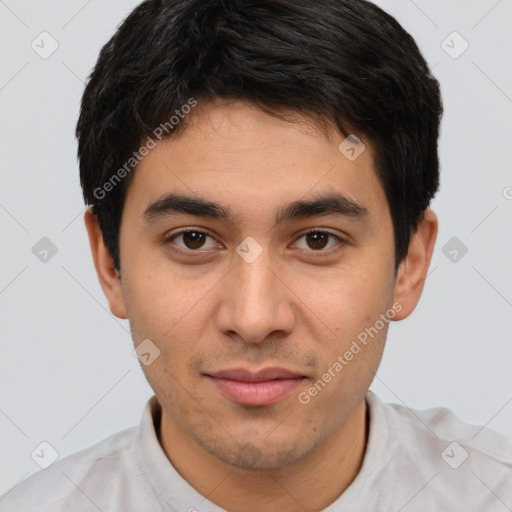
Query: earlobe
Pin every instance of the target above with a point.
(104, 264)
(412, 272)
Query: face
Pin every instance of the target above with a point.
(258, 305)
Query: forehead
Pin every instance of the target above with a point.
(239, 156)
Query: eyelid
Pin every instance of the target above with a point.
(319, 230)
(187, 229)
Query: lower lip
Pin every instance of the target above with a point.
(256, 393)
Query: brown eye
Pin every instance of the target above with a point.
(191, 240)
(317, 240)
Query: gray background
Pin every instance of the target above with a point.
(67, 371)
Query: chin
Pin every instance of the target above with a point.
(258, 456)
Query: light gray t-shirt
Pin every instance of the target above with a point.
(421, 461)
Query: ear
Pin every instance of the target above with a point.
(107, 274)
(412, 271)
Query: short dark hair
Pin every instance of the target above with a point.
(344, 62)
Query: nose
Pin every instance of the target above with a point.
(255, 302)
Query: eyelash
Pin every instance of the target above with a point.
(318, 253)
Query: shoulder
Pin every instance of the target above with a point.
(445, 427)
(460, 465)
(69, 479)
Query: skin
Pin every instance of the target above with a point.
(289, 308)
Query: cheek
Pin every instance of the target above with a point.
(161, 297)
(348, 309)
(172, 312)
(347, 298)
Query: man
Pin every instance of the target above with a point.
(259, 177)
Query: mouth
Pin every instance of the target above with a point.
(264, 387)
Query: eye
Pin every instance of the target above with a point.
(320, 241)
(191, 240)
(196, 241)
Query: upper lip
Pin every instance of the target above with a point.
(262, 375)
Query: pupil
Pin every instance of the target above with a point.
(193, 239)
(317, 240)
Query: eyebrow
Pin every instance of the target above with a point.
(320, 205)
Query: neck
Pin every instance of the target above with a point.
(312, 483)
